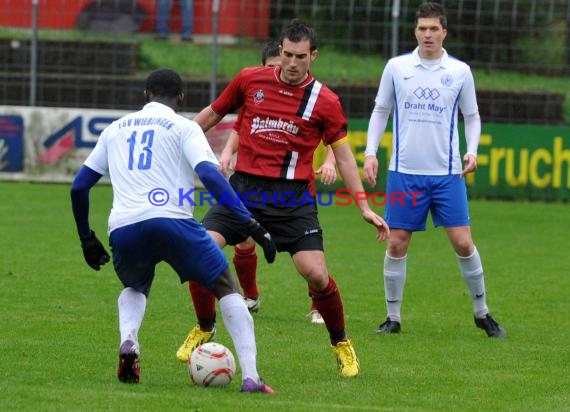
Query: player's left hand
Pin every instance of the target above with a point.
(383, 231)
(226, 162)
(93, 251)
(470, 162)
(327, 172)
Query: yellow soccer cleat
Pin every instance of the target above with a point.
(348, 365)
(195, 338)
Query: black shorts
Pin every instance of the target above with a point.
(283, 207)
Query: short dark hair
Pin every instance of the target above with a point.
(271, 49)
(297, 31)
(431, 9)
(164, 83)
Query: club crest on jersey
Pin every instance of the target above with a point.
(447, 80)
(259, 97)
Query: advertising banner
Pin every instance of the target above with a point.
(51, 144)
(514, 161)
(11, 143)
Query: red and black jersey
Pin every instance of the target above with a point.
(280, 126)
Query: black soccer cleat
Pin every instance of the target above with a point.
(390, 326)
(489, 325)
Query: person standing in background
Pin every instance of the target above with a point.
(245, 257)
(426, 88)
(163, 14)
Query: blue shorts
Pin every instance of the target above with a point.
(412, 196)
(182, 243)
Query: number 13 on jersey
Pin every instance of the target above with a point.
(145, 155)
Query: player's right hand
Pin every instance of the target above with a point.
(93, 251)
(371, 170)
(263, 239)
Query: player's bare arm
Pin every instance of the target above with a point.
(349, 172)
(207, 118)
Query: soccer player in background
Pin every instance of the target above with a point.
(285, 114)
(245, 258)
(149, 155)
(426, 88)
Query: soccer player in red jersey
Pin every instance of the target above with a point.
(285, 114)
(245, 257)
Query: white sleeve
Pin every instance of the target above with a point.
(98, 159)
(382, 108)
(376, 128)
(470, 110)
(472, 132)
(468, 97)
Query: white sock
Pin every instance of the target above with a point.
(472, 272)
(239, 324)
(132, 305)
(394, 280)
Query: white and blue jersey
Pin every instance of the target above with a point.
(425, 100)
(150, 156)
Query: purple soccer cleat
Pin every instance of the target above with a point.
(249, 385)
(129, 370)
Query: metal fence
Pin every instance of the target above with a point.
(524, 35)
(528, 36)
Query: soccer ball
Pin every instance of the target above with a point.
(211, 365)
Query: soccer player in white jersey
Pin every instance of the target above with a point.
(425, 89)
(151, 156)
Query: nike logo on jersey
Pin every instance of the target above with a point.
(408, 77)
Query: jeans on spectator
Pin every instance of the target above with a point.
(163, 13)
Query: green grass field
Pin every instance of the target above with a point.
(59, 338)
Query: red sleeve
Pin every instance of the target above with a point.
(336, 127)
(232, 97)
